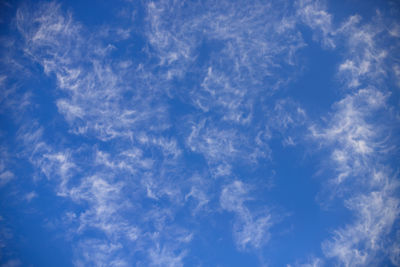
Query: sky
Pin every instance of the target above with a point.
(200, 133)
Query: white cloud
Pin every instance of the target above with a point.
(128, 175)
(359, 243)
(354, 138)
(314, 14)
(396, 70)
(366, 57)
(394, 250)
(5, 177)
(94, 105)
(311, 262)
(165, 257)
(359, 147)
(30, 196)
(99, 253)
(249, 229)
(123, 104)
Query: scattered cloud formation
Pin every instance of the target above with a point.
(167, 133)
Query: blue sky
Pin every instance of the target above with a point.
(199, 133)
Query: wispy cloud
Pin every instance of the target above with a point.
(365, 240)
(367, 56)
(315, 15)
(359, 140)
(141, 147)
(359, 152)
(358, 137)
(6, 175)
(250, 229)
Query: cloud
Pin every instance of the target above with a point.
(250, 230)
(359, 152)
(166, 257)
(311, 262)
(233, 62)
(5, 176)
(94, 104)
(367, 57)
(360, 242)
(356, 140)
(358, 137)
(98, 253)
(144, 141)
(314, 14)
(360, 149)
(122, 105)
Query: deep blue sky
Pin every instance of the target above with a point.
(199, 133)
